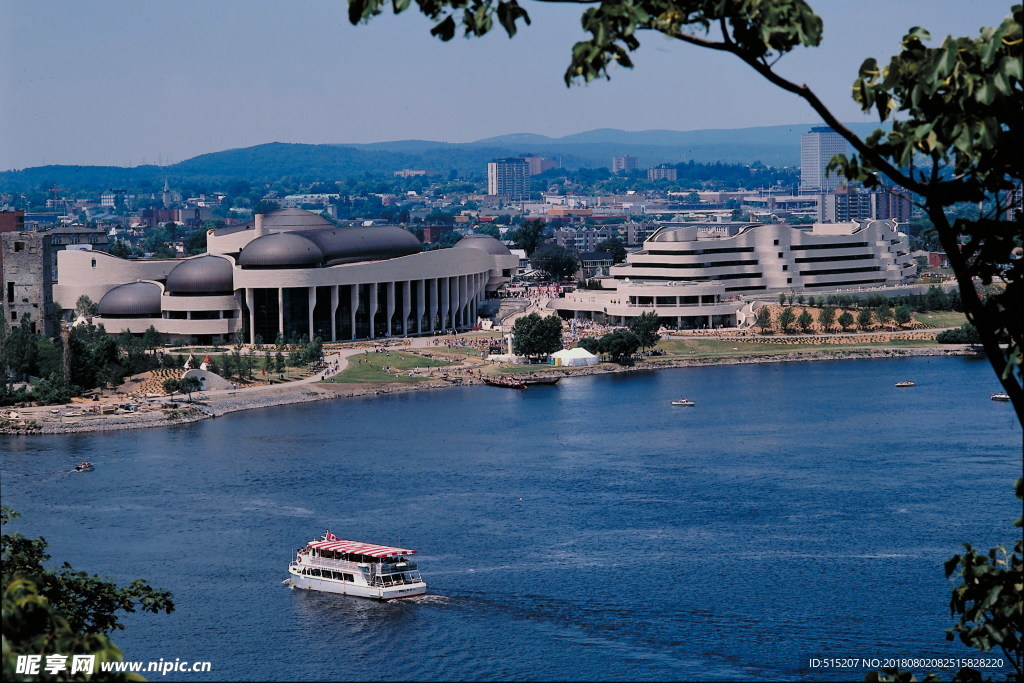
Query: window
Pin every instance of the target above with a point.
(10, 292)
(789, 280)
(780, 254)
(19, 246)
(94, 263)
(785, 267)
(775, 242)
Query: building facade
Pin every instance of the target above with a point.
(27, 280)
(292, 273)
(623, 162)
(692, 280)
(817, 147)
(659, 172)
(509, 178)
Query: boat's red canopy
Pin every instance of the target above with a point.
(360, 548)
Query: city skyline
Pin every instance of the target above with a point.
(122, 83)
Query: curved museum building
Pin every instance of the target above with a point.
(294, 273)
(694, 277)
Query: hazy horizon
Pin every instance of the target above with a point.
(122, 83)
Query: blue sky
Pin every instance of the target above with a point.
(126, 82)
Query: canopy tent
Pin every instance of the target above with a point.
(574, 357)
(360, 548)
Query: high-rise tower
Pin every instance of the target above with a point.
(817, 147)
(509, 178)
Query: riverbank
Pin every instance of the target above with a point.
(42, 419)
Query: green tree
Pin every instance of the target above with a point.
(488, 229)
(782, 299)
(827, 317)
(151, 338)
(188, 385)
(86, 602)
(86, 307)
(804, 321)
(845, 320)
(645, 327)
(763, 318)
(786, 319)
(171, 386)
(614, 246)
(884, 315)
(619, 344)
(535, 336)
(557, 262)
(864, 318)
(590, 344)
(529, 235)
(903, 314)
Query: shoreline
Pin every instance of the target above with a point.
(240, 400)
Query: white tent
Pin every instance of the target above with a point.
(574, 357)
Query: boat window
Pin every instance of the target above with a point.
(349, 577)
(314, 572)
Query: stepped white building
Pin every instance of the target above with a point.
(694, 278)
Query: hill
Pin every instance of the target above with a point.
(772, 145)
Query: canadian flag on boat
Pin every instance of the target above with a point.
(331, 537)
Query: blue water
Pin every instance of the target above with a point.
(587, 531)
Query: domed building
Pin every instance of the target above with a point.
(292, 272)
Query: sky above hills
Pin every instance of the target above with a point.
(123, 82)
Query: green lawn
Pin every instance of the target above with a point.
(718, 348)
(369, 367)
(941, 318)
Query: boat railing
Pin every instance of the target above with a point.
(386, 580)
(338, 564)
(394, 569)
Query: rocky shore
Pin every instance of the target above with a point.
(41, 421)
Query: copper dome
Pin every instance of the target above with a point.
(135, 299)
(201, 275)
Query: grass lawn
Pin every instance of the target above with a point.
(718, 348)
(369, 367)
(941, 318)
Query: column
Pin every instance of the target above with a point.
(250, 303)
(312, 305)
(406, 307)
(421, 305)
(391, 304)
(354, 306)
(334, 313)
(372, 296)
(280, 310)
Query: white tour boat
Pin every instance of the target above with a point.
(683, 402)
(351, 568)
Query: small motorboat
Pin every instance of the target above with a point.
(683, 402)
(906, 383)
(1000, 397)
(84, 467)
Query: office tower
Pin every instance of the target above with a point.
(817, 148)
(623, 162)
(509, 178)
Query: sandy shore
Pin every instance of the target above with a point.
(42, 420)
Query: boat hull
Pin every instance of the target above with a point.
(314, 583)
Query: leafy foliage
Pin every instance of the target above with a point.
(645, 327)
(87, 602)
(557, 262)
(619, 344)
(533, 335)
(965, 334)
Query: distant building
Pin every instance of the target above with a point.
(623, 162)
(848, 204)
(817, 147)
(110, 198)
(509, 178)
(74, 237)
(409, 173)
(538, 164)
(596, 263)
(663, 171)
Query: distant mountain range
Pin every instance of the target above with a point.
(772, 145)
